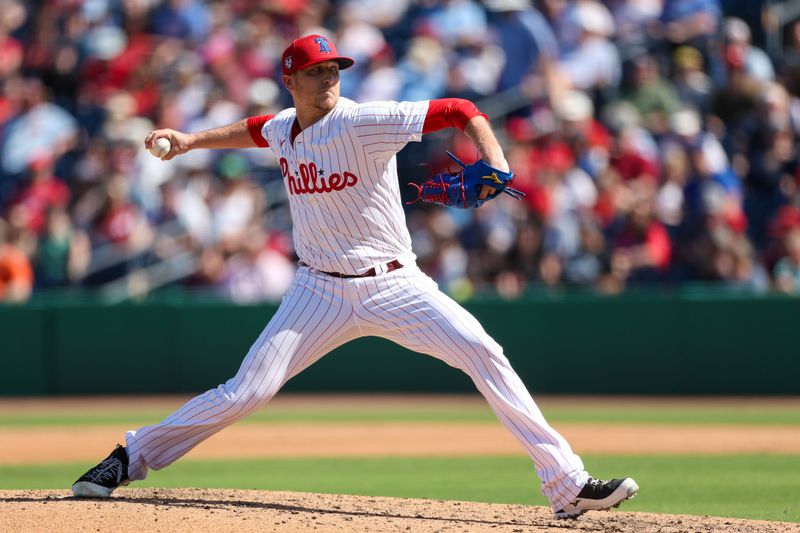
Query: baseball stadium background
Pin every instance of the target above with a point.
(646, 290)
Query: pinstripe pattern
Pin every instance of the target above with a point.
(350, 229)
(358, 227)
(313, 318)
(406, 307)
(318, 314)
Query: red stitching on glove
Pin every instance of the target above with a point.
(419, 193)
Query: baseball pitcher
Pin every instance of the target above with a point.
(357, 274)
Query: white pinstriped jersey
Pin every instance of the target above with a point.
(341, 177)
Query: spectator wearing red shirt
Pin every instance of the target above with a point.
(549, 159)
(120, 222)
(630, 160)
(641, 247)
(10, 53)
(43, 192)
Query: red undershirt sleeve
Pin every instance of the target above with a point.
(449, 113)
(254, 126)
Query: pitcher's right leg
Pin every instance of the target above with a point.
(313, 319)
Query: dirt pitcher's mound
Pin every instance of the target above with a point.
(196, 510)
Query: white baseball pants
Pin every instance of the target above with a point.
(320, 313)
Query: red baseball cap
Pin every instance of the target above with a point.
(310, 50)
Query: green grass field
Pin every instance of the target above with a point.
(649, 414)
(765, 486)
(751, 486)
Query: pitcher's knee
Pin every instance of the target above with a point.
(489, 349)
(481, 342)
(247, 398)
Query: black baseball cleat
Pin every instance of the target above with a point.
(599, 495)
(100, 481)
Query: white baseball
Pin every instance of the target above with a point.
(161, 147)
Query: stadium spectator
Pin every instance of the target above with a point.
(692, 84)
(641, 248)
(41, 126)
(423, 70)
(757, 64)
(789, 63)
(771, 158)
(625, 121)
(256, 271)
(16, 274)
(561, 20)
(588, 139)
(636, 22)
(454, 23)
(695, 23)
(787, 269)
(236, 205)
(669, 202)
(11, 52)
(528, 44)
(594, 63)
(63, 253)
(588, 263)
(653, 96)
(43, 192)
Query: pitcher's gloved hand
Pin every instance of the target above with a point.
(463, 188)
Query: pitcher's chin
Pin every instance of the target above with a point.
(327, 101)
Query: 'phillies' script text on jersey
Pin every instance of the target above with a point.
(311, 180)
(341, 178)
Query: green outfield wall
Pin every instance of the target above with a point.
(631, 344)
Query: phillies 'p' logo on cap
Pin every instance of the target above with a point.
(310, 50)
(324, 46)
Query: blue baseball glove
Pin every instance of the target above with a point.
(463, 188)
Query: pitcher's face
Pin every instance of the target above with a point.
(316, 87)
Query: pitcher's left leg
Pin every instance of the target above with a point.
(407, 308)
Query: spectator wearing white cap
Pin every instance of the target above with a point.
(589, 140)
(687, 126)
(595, 63)
(738, 41)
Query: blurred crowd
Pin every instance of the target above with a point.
(656, 141)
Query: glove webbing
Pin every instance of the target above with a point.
(436, 193)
